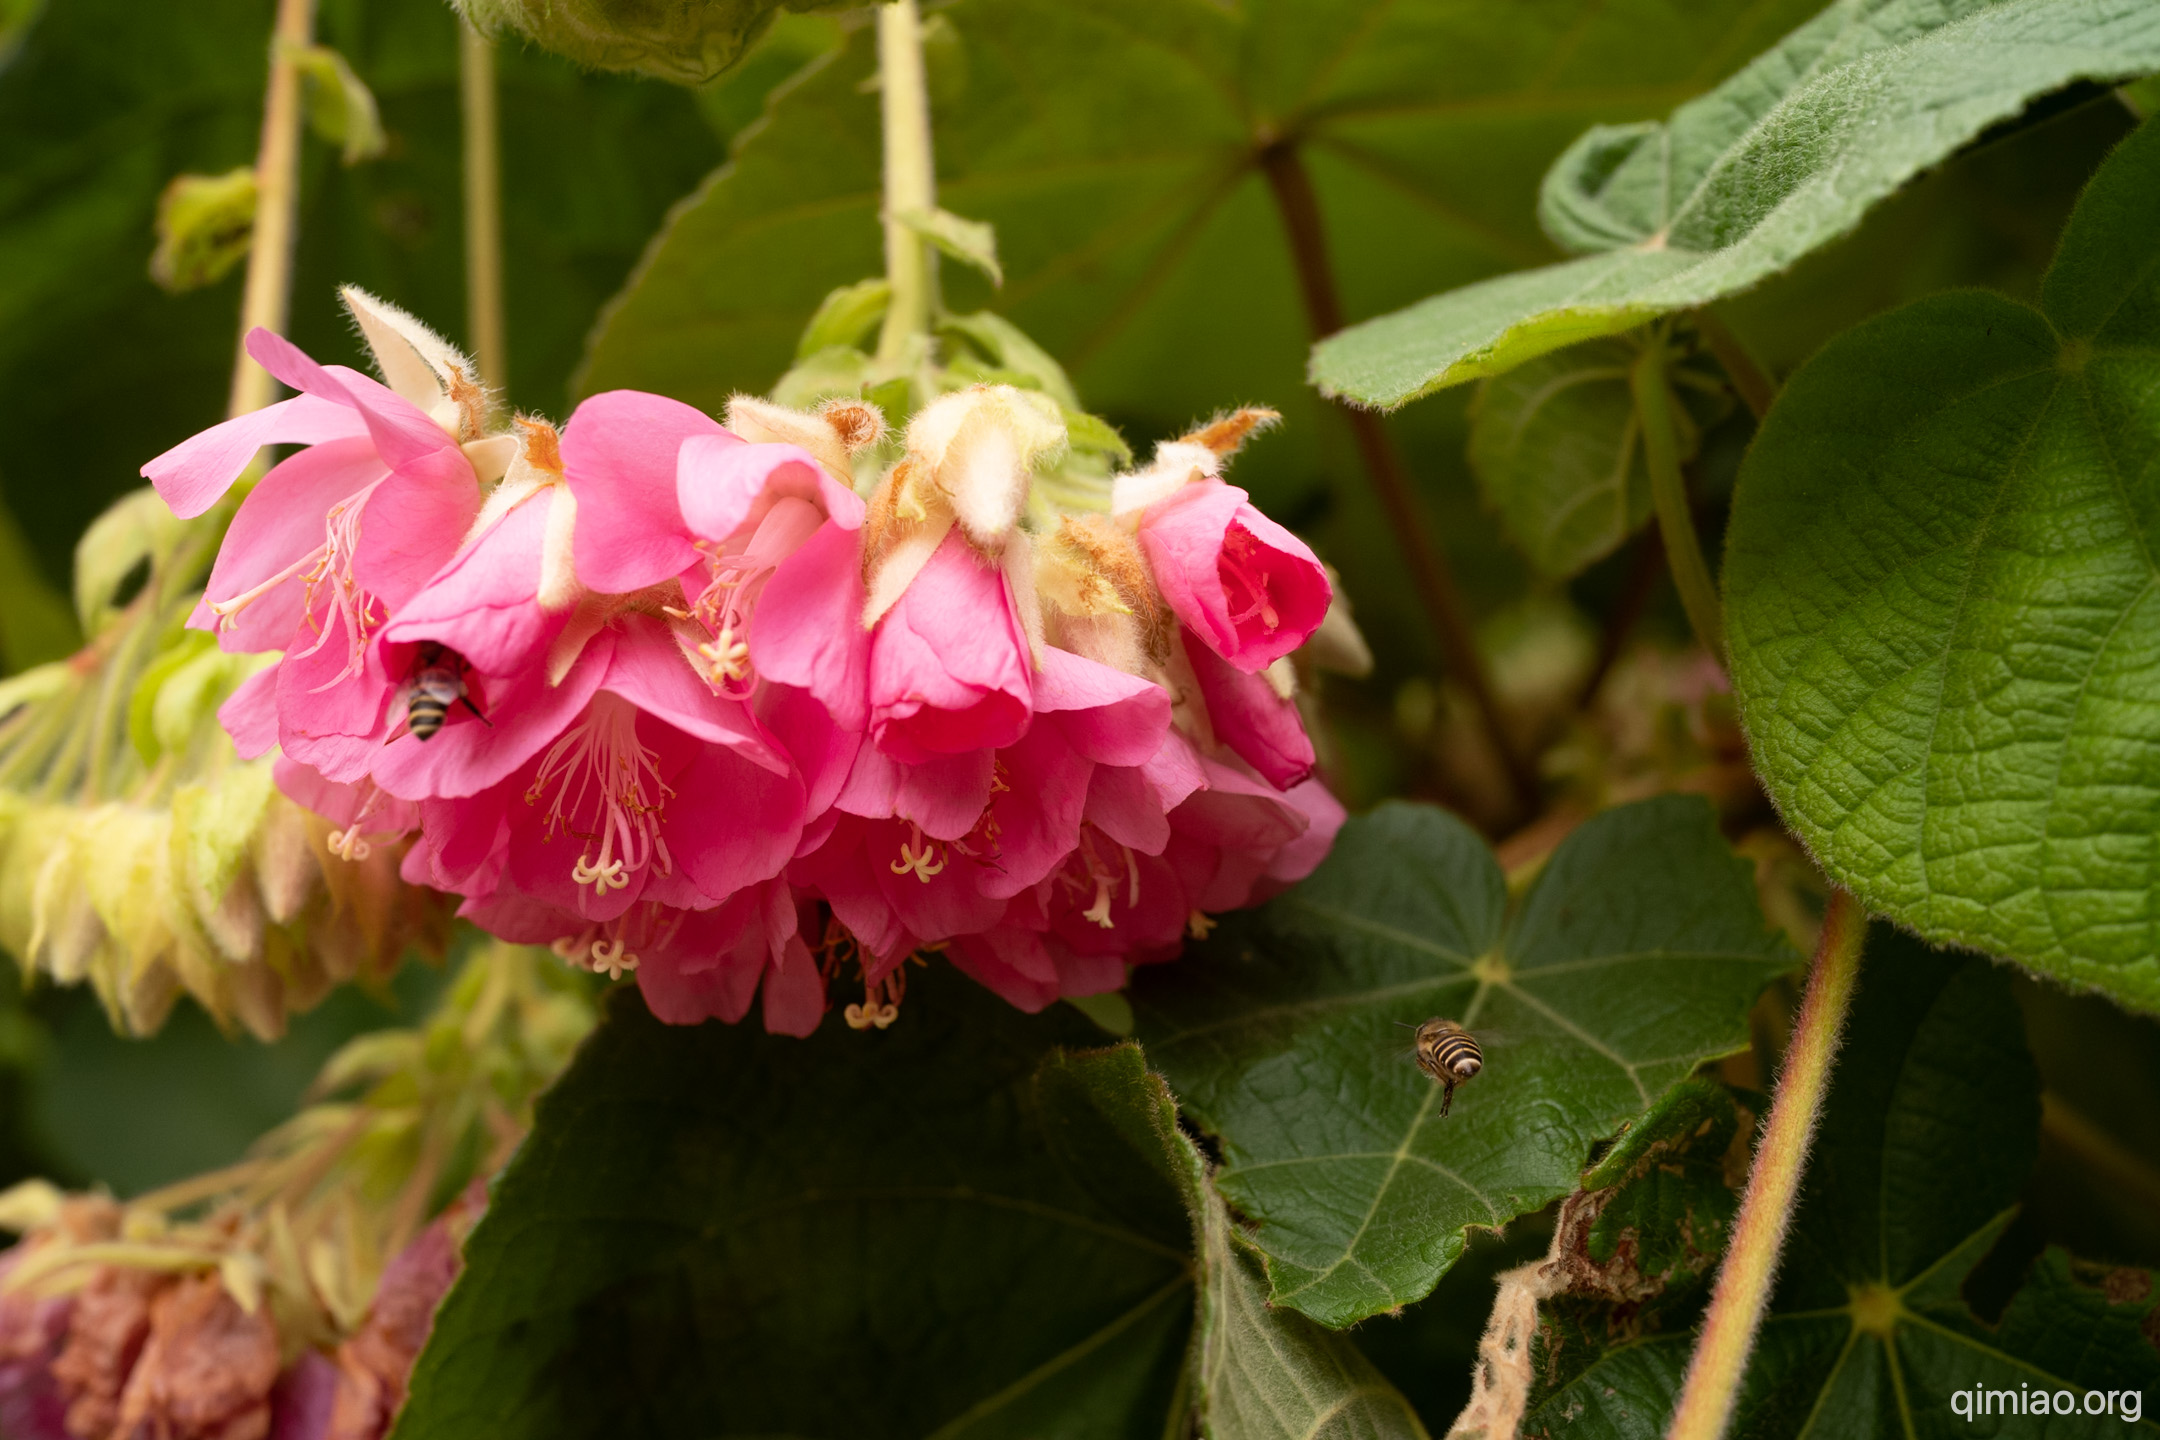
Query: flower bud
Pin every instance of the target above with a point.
(205, 225)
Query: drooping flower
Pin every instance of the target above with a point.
(951, 599)
(336, 538)
(1251, 590)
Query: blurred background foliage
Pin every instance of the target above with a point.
(1157, 270)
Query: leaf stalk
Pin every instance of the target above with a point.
(1430, 572)
(267, 298)
(1773, 1190)
(1754, 386)
(483, 206)
(1669, 498)
(910, 178)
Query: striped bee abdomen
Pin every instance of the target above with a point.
(424, 715)
(1449, 1054)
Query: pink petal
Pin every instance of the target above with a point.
(823, 752)
(196, 473)
(1250, 718)
(401, 430)
(1084, 974)
(794, 992)
(952, 902)
(1122, 805)
(1107, 715)
(724, 486)
(1039, 814)
(1012, 964)
(839, 873)
(469, 839)
(414, 522)
(649, 671)
(731, 823)
(250, 714)
(278, 525)
(618, 455)
(1324, 816)
(949, 666)
(807, 631)
(320, 691)
(483, 603)
(525, 714)
(1204, 534)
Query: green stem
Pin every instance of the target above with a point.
(1668, 494)
(1773, 1189)
(1754, 385)
(910, 177)
(483, 207)
(268, 297)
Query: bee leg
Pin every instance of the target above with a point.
(1447, 1098)
(466, 701)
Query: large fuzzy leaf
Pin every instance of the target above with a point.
(1634, 956)
(713, 1232)
(951, 1228)
(1929, 1133)
(1945, 608)
(1776, 162)
(1258, 1373)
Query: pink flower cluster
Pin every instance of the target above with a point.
(673, 698)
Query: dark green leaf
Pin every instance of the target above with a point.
(1945, 610)
(1635, 955)
(712, 1231)
(1930, 1130)
(109, 99)
(1558, 450)
(1116, 148)
(1261, 1374)
(1781, 159)
(687, 41)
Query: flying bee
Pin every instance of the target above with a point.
(438, 682)
(1449, 1054)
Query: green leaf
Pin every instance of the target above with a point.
(712, 1231)
(340, 107)
(1930, 1130)
(1261, 1373)
(1634, 957)
(109, 99)
(1945, 610)
(971, 242)
(1558, 450)
(205, 226)
(1140, 242)
(1741, 183)
(846, 317)
(687, 41)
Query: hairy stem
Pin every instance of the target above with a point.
(1429, 568)
(910, 176)
(1668, 495)
(483, 206)
(268, 297)
(1773, 1188)
(1756, 388)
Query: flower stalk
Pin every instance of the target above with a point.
(267, 300)
(483, 206)
(1773, 1190)
(1654, 404)
(910, 178)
